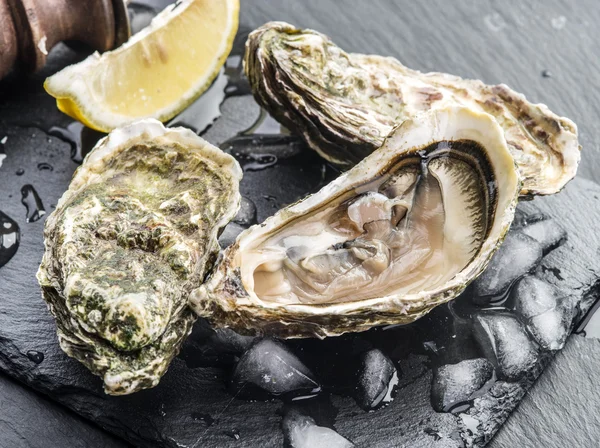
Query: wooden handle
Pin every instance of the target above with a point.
(29, 29)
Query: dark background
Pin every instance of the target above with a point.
(547, 50)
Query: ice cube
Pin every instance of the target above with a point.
(454, 384)
(208, 347)
(532, 296)
(505, 343)
(547, 316)
(230, 233)
(374, 378)
(547, 233)
(550, 329)
(228, 341)
(273, 368)
(301, 431)
(246, 215)
(470, 423)
(518, 255)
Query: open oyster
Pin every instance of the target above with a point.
(344, 105)
(403, 231)
(136, 230)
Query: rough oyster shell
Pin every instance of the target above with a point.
(403, 231)
(135, 231)
(345, 104)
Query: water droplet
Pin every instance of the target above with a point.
(9, 238)
(71, 135)
(43, 166)
(546, 73)
(80, 138)
(35, 356)
(20, 172)
(32, 202)
(234, 434)
(2, 153)
(205, 419)
(256, 162)
(162, 411)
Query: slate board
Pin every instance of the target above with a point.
(562, 403)
(168, 414)
(481, 49)
(32, 420)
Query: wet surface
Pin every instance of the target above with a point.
(589, 326)
(81, 139)
(229, 83)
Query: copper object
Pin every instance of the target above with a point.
(29, 29)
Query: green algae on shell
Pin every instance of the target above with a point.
(403, 231)
(134, 233)
(345, 104)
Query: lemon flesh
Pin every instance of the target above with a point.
(156, 74)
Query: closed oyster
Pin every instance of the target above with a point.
(135, 231)
(403, 231)
(345, 104)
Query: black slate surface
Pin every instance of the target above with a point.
(28, 419)
(509, 43)
(191, 405)
(562, 407)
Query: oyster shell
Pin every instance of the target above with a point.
(345, 104)
(135, 231)
(403, 231)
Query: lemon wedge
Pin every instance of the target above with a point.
(156, 74)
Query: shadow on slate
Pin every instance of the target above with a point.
(192, 405)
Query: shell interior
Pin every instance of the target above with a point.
(414, 227)
(403, 231)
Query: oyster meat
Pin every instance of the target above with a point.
(345, 104)
(135, 231)
(403, 231)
